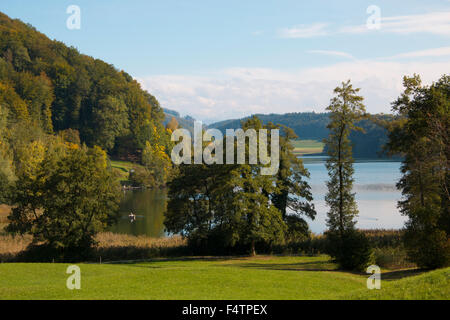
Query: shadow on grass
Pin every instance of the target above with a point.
(174, 259)
(400, 274)
(298, 266)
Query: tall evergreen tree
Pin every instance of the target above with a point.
(349, 247)
(346, 108)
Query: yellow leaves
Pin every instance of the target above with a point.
(72, 146)
(155, 158)
(31, 158)
(12, 100)
(101, 156)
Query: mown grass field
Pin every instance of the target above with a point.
(262, 277)
(304, 147)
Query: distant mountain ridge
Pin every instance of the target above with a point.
(313, 126)
(186, 122)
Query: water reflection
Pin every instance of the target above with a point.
(374, 185)
(148, 206)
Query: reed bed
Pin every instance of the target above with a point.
(12, 246)
(113, 247)
(110, 247)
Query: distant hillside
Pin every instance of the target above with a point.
(186, 122)
(313, 126)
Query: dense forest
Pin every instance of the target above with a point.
(310, 125)
(47, 85)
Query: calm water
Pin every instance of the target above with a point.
(376, 194)
(374, 186)
(148, 206)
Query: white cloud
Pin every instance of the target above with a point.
(437, 23)
(434, 22)
(238, 92)
(302, 31)
(436, 52)
(332, 53)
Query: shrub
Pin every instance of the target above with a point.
(392, 257)
(351, 250)
(429, 248)
(141, 177)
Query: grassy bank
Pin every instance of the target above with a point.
(262, 277)
(122, 168)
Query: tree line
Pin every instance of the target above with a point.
(234, 209)
(62, 114)
(367, 143)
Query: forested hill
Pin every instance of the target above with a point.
(52, 87)
(311, 125)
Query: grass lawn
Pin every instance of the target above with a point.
(262, 277)
(303, 147)
(123, 167)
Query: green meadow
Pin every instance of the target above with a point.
(304, 147)
(261, 277)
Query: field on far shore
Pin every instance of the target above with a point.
(260, 277)
(305, 147)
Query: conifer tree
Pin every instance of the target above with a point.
(346, 109)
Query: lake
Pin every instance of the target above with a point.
(374, 185)
(376, 194)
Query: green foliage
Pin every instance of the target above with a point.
(140, 177)
(50, 86)
(112, 121)
(351, 249)
(234, 206)
(313, 126)
(63, 197)
(70, 135)
(157, 162)
(421, 135)
(7, 175)
(346, 108)
(428, 247)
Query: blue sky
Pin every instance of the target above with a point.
(225, 59)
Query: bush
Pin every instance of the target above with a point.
(392, 257)
(141, 177)
(429, 248)
(352, 250)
